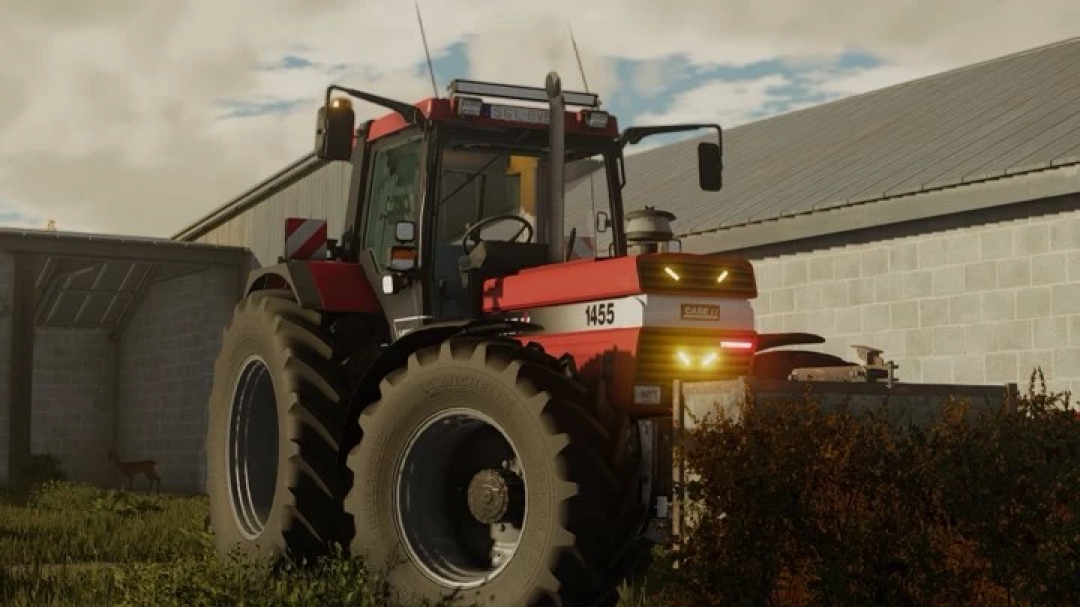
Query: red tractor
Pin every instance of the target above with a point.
(480, 416)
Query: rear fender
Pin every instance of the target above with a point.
(395, 355)
(767, 341)
(329, 286)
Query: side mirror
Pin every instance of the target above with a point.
(603, 222)
(710, 166)
(334, 131)
(405, 231)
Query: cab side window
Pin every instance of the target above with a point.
(587, 187)
(394, 195)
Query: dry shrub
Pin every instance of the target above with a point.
(807, 507)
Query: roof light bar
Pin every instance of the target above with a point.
(520, 93)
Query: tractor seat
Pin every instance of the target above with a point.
(500, 258)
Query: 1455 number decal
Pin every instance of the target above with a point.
(600, 314)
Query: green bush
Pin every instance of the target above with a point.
(42, 468)
(807, 507)
(126, 504)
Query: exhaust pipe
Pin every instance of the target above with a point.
(551, 217)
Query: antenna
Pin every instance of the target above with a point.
(592, 183)
(423, 36)
(580, 65)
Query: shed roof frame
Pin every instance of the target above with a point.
(128, 248)
(60, 258)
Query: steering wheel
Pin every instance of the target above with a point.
(473, 233)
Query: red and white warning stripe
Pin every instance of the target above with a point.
(648, 310)
(305, 238)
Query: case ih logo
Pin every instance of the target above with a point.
(700, 312)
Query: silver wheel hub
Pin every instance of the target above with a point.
(460, 502)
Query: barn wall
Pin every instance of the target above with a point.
(74, 396)
(321, 195)
(7, 275)
(981, 303)
(166, 362)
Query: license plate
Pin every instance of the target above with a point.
(511, 113)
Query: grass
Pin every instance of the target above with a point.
(66, 522)
(74, 544)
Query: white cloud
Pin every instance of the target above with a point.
(651, 77)
(110, 116)
(729, 103)
(18, 219)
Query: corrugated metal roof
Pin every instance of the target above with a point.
(1015, 114)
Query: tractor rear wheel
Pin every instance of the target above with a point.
(485, 475)
(276, 415)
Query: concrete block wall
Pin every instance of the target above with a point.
(74, 409)
(975, 304)
(166, 363)
(7, 275)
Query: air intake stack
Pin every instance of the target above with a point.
(649, 231)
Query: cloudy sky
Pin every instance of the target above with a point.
(139, 116)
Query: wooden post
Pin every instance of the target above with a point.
(21, 367)
(678, 476)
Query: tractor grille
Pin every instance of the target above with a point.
(697, 274)
(664, 355)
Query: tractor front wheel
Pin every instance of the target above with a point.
(484, 475)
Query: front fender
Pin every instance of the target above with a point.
(281, 276)
(395, 355)
(329, 286)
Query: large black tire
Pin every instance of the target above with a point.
(581, 503)
(276, 416)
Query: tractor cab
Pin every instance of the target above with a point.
(451, 192)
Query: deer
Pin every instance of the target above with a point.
(146, 467)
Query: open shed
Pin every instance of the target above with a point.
(108, 342)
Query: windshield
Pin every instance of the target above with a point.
(488, 174)
(479, 180)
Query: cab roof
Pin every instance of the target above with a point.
(443, 109)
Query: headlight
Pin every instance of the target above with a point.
(697, 360)
(469, 106)
(596, 120)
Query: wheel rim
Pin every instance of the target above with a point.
(253, 448)
(460, 500)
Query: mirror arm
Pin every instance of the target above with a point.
(410, 113)
(635, 134)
